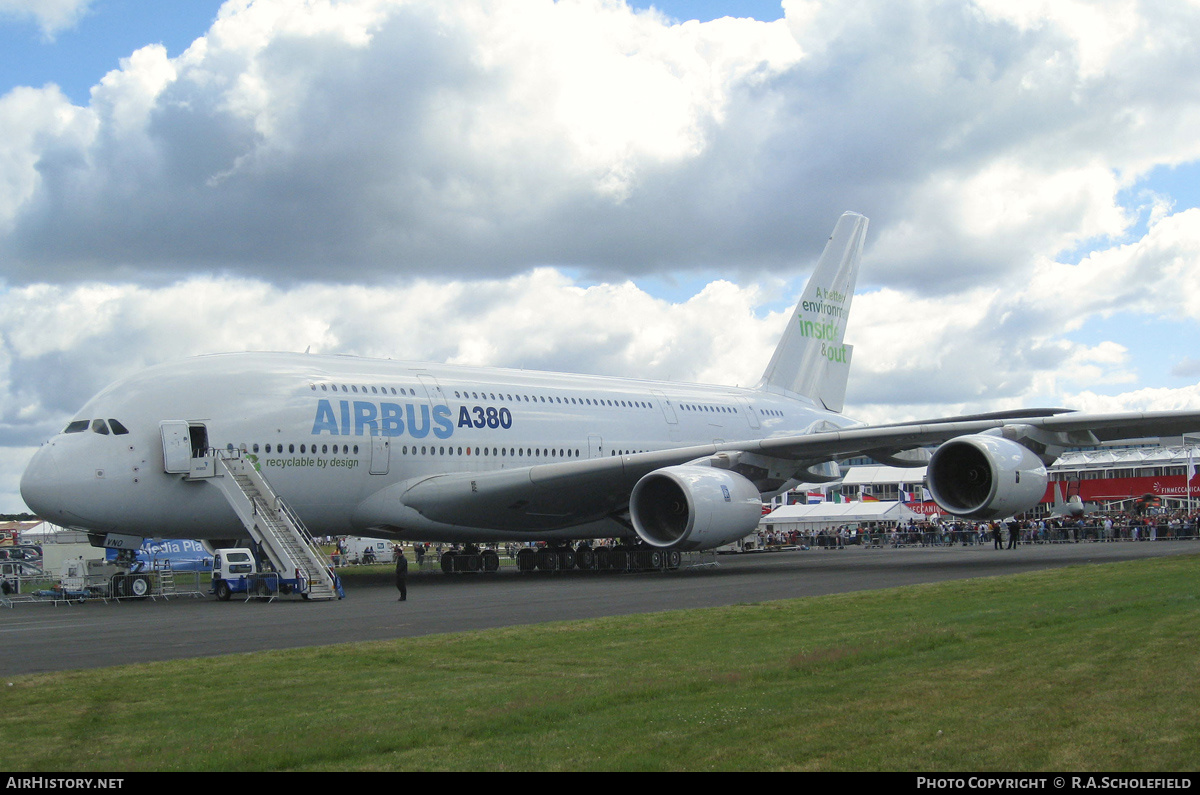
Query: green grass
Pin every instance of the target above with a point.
(1086, 668)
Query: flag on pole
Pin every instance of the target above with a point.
(1191, 474)
(815, 498)
(905, 496)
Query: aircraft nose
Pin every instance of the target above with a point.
(41, 483)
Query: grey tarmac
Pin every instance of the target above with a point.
(42, 637)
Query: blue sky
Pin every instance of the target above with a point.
(77, 57)
(604, 193)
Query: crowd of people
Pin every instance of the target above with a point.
(1100, 527)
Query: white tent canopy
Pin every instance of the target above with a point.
(805, 518)
(891, 476)
(49, 533)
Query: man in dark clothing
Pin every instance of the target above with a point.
(402, 576)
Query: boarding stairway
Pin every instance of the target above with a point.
(274, 526)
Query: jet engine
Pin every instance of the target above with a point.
(691, 507)
(986, 477)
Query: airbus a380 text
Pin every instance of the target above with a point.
(446, 453)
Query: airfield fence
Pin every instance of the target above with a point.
(47, 589)
(923, 536)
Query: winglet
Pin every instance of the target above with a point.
(812, 358)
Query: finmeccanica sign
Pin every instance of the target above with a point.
(1124, 488)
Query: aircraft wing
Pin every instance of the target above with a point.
(567, 493)
(1070, 428)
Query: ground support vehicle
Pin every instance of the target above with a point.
(122, 578)
(238, 570)
(366, 551)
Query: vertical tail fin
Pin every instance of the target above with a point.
(811, 359)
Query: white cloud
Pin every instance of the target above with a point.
(1188, 367)
(52, 16)
(29, 118)
(1155, 275)
(367, 139)
(1150, 399)
(1014, 344)
(13, 461)
(60, 344)
(1096, 30)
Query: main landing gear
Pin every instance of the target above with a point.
(564, 557)
(621, 558)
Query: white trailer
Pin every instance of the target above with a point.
(365, 550)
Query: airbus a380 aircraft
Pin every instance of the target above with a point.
(443, 453)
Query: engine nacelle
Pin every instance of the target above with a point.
(986, 477)
(694, 507)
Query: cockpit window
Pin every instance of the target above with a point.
(117, 427)
(78, 426)
(98, 426)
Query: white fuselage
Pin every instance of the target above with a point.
(330, 431)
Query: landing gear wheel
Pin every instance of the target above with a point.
(139, 587)
(585, 558)
(490, 561)
(548, 560)
(526, 559)
(566, 558)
